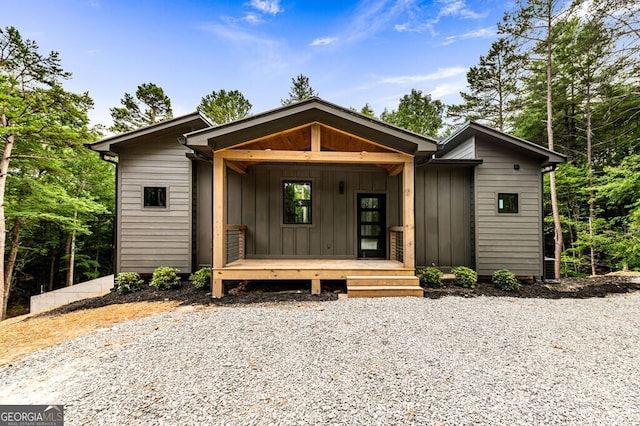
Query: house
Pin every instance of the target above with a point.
(313, 191)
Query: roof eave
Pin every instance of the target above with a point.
(408, 142)
(104, 145)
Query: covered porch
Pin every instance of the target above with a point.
(342, 231)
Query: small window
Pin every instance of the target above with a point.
(507, 203)
(155, 196)
(297, 202)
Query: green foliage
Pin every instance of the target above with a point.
(165, 278)
(431, 277)
(128, 282)
(150, 105)
(223, 107)
(42, 126)
(300, 90)
(465, 277)
(493, 85)
(417, 113)
(368, 111)
(505, 280)
(201, 277)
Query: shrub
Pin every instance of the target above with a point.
(201, 277)
(465, 277)
(505, 280)
(431, 276)
(164, 278)
(127, 282)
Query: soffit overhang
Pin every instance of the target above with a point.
(174, 128)
(545, 156)
(276, 125)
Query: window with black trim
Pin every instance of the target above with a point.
(155, 196)
(297, 202)
(507, 203)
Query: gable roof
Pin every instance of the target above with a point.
(546, 156)
(306, 112)
(178, 126)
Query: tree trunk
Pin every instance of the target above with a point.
(592, 253)
(557, 228)
(52, 270)
(71, 253)
(70, 249)
(13, 253)
(4, 168)
(71, 243)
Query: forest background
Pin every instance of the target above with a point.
(565, 76)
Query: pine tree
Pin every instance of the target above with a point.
(530, 26)
(223, 107)
(300, 90)
(150, 105)
(493, 85)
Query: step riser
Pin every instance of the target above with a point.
(382, 281)
(383, 286)
(351, 293)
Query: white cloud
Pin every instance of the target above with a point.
(440, 74)
(323, 41)
(265, 52)
(488, 32)
(423, 19)
(253, 18)
(270, 7)
(373, 15)
(446, 89)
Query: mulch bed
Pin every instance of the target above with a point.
(568, 288)
(299, 291)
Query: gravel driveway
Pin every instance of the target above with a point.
(357, 361)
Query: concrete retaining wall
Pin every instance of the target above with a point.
(66, 295)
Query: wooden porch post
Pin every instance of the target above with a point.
(219, 222)
(408, 212)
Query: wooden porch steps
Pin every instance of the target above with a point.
(383, 286)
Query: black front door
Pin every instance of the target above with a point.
(372, 226)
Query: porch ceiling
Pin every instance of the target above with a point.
(299, 139)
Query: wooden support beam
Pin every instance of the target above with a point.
(217, 289)
(219, 212)
(283, 156)
(396, 170)
(237, 167)
(316, 286)
(408, 199)
(316, 143)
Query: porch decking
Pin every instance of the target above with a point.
(382, 273)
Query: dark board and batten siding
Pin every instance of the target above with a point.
(256, 200)
(443, 216)
(152, 237)
(512, 241)
(203, 226)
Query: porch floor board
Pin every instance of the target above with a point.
(307, 269)
(380, 270)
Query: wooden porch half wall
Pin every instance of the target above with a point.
(235, 158)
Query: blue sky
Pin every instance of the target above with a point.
(353, 52)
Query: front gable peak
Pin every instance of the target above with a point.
(289, 128)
